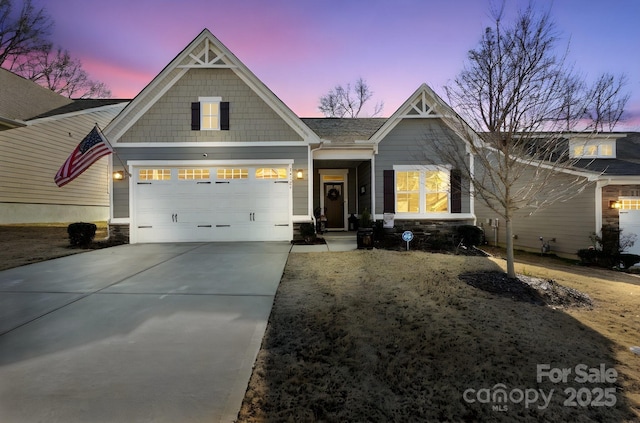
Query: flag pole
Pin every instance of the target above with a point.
(112, 149)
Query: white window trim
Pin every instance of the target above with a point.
(202, 100)
(422, 169)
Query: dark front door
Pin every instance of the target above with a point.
(334, 205)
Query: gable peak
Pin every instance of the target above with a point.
(208, 52)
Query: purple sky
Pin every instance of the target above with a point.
(301, 49)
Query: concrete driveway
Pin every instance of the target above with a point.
(135, 333)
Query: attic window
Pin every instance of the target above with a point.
(210, 114)
(593, 149)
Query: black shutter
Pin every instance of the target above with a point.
(389, 192)
(195, 116)
(456, 191)
(224, 115)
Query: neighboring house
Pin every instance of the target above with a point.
(213, 155)
(41, 129)
(21, 99)
(611, 162)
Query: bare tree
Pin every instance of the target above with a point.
(26, 50)
(608, 101)
(22, 34)
(347, 101)
(516, 97)
(61, 73)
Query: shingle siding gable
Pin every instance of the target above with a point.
(169, 119)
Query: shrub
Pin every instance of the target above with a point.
(628, 260)
(308, 232)
(81, 233)
(591, 256)
(470, 235)
(607, 250)
(365, 219)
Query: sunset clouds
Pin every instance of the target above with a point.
(301, 49)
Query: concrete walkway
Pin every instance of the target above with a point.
(335, 241)
(135, 333)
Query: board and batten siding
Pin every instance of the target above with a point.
(409, 143)
(169, 118)
(298, 154)
(570, 222)
(30, 156)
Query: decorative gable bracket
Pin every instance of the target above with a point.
(420, 108)
(207, 58)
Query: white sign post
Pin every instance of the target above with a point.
(408, 237)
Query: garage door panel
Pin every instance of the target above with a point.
(212, 210)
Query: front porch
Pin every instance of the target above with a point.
(342, 190)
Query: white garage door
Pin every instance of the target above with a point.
(223, 203)
(630, 224)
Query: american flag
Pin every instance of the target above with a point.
(90, 149)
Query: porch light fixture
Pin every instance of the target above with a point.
(118, 175)
(615, 204)
(299, 174)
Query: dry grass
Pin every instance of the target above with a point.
(387, 336)
(25, 244)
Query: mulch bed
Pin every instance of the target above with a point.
(527, 289)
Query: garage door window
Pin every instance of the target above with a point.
(192, 174)
(154, 174)
(232, 173)
(271, 173)
(629, 203)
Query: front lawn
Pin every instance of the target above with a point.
(387, 336)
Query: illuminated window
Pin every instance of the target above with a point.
(271, 173)
(592, 149)
(232, 173)
(606, 150)
(408, 192)
(422, 191)
(210, 113)
(437, 191)
(629, 203)
(191, 174)
(154, 174)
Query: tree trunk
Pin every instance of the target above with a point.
(511, 269)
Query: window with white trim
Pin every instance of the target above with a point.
(422, 190)
(210, 113)
(592, 149)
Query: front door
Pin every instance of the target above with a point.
(334, 205)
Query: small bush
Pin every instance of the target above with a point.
(308, 232)
(628, 260)
(470, 235)
(81, 234)
(607, 250)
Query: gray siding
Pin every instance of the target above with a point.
(410, 143)
(169, 119)
(570, 222)
(31, 156)
(298, 154)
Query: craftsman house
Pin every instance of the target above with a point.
(209, 153)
